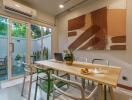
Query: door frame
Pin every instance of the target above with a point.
(27, 46)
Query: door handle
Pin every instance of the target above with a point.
(12, 46)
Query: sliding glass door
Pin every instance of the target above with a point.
(3, 48)
(36, 43)
(21, 41)
(18, 45)
(12, 47)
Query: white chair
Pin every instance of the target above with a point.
(101, 61)
(29, 70)
(83, 94)
(81, 59)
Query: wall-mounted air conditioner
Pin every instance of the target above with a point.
(15, 7)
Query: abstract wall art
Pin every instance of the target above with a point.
(102, 29)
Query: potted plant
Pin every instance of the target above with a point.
(68, 57)
(18, 59)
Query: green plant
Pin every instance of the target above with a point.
(3, 26)
(38, 55)
(36, 31)
(45, 53)
(18, 57)
(68, 55)
(18, 29)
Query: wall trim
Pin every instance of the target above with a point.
(125, 87)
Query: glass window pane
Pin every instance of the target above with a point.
(41, 43)
(46, 31)
(19, 47)
(18, 30)
(3, 26)
(35, 31)
(36, 42)
(3, 48)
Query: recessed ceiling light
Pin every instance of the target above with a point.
(61, 6)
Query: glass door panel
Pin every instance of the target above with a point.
(40, 42)
(3, 48)
(36, 43)
(46, 33)
(18, 38)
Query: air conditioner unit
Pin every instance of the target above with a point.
(15, 7)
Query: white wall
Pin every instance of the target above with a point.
(116, 58)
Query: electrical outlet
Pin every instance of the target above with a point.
(125, 78)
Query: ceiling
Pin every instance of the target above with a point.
(51, 6)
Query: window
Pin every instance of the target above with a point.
(3, 26)
(41, 42)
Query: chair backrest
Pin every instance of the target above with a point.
(57, 79)
(73, 84)
(25, 64)
(81, 59)
(27, 67)
(100, 61)
(3, 61)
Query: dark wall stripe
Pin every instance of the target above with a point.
(99, 18)
(72, 34)
(125, 87)
(118, 47)
(76, 23)
(118, 39)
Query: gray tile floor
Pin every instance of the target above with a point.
(14, 93)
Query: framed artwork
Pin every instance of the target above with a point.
(102, 29)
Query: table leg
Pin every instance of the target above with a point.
(83, 83)
(112, 94)
(101, 95)
(105, 92)
(30, 86)
(23, 84)
(49, 83)
(36, 88)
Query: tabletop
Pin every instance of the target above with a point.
(109, 77)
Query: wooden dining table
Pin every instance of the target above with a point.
(108, 77)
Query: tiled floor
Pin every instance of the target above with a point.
(14, 93)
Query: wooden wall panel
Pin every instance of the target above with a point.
(90, 43)
(118, 47)
(118, 39)
(84, 37)
(116, 22)
(99, 18)
(76, 23)
(74, 33)
(108, 26)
